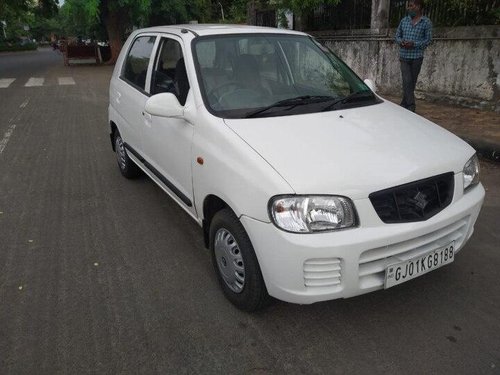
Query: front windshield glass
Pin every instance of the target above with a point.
(252, 75)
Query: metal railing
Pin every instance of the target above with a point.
(266, 18)
(356, 14)
(348, 14)
(452, 12)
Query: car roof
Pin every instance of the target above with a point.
(218, 29)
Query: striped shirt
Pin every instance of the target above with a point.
(420, 34)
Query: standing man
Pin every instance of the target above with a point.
(413, 35)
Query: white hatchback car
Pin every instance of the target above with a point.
(308, 186)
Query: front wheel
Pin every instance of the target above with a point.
(235, 263)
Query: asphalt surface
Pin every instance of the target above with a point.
(103, 275)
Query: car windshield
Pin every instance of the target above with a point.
(261, 75)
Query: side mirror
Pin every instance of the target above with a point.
(371, 85)
(164, 105)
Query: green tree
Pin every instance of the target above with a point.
(117, 16)
(235, 10)
(41, 28)
(169, 12)
(18, 13)
(46, 8)
(298, 7)
(44, 20)
(76, 20)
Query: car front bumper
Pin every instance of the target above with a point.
(308, 268)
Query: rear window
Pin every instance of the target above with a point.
(137, 61)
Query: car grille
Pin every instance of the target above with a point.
(324, 272)
(372, 263)
(416, 201)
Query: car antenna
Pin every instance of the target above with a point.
(185, 31)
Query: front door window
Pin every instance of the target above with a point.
(169, 74)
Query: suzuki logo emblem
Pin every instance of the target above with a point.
(420, 200)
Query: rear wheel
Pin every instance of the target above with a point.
(235, 263)
(127, 167)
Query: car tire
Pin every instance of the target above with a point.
(236, 264)
(127, 167)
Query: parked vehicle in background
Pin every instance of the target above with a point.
(307, 185)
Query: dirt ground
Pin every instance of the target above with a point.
(465, 122)
(480, 128)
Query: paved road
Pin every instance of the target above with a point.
(103, 275)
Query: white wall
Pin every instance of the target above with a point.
(462, 65)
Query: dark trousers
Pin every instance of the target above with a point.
(410, 68)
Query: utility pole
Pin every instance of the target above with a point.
(380, 14)
(251, 13)
(221, 10)
(4, 24)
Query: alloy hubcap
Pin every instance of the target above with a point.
(229, 260)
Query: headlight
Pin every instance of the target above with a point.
(307, 214)
(471, 172)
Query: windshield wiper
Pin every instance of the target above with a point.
(292, 102)
(350, 98)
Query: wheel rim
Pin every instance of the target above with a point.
(120, 152)
(229, 260)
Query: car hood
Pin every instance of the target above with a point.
(353, 152)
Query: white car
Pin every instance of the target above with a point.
(307, 185)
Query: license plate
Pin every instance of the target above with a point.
(398, 273)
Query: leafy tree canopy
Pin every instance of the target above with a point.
(39, 16)
(299, 6)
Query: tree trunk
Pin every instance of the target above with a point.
(114, 27)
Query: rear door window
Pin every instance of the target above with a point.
(137, 61)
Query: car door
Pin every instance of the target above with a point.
(130, 91)
(168, 140)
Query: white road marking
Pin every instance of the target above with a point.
(6, 137)
(25, 103)
(5, 82)
(34, 82)
(66, 81)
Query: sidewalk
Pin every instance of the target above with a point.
(481, 129)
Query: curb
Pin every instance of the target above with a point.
(487, 150)
(5, 53)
